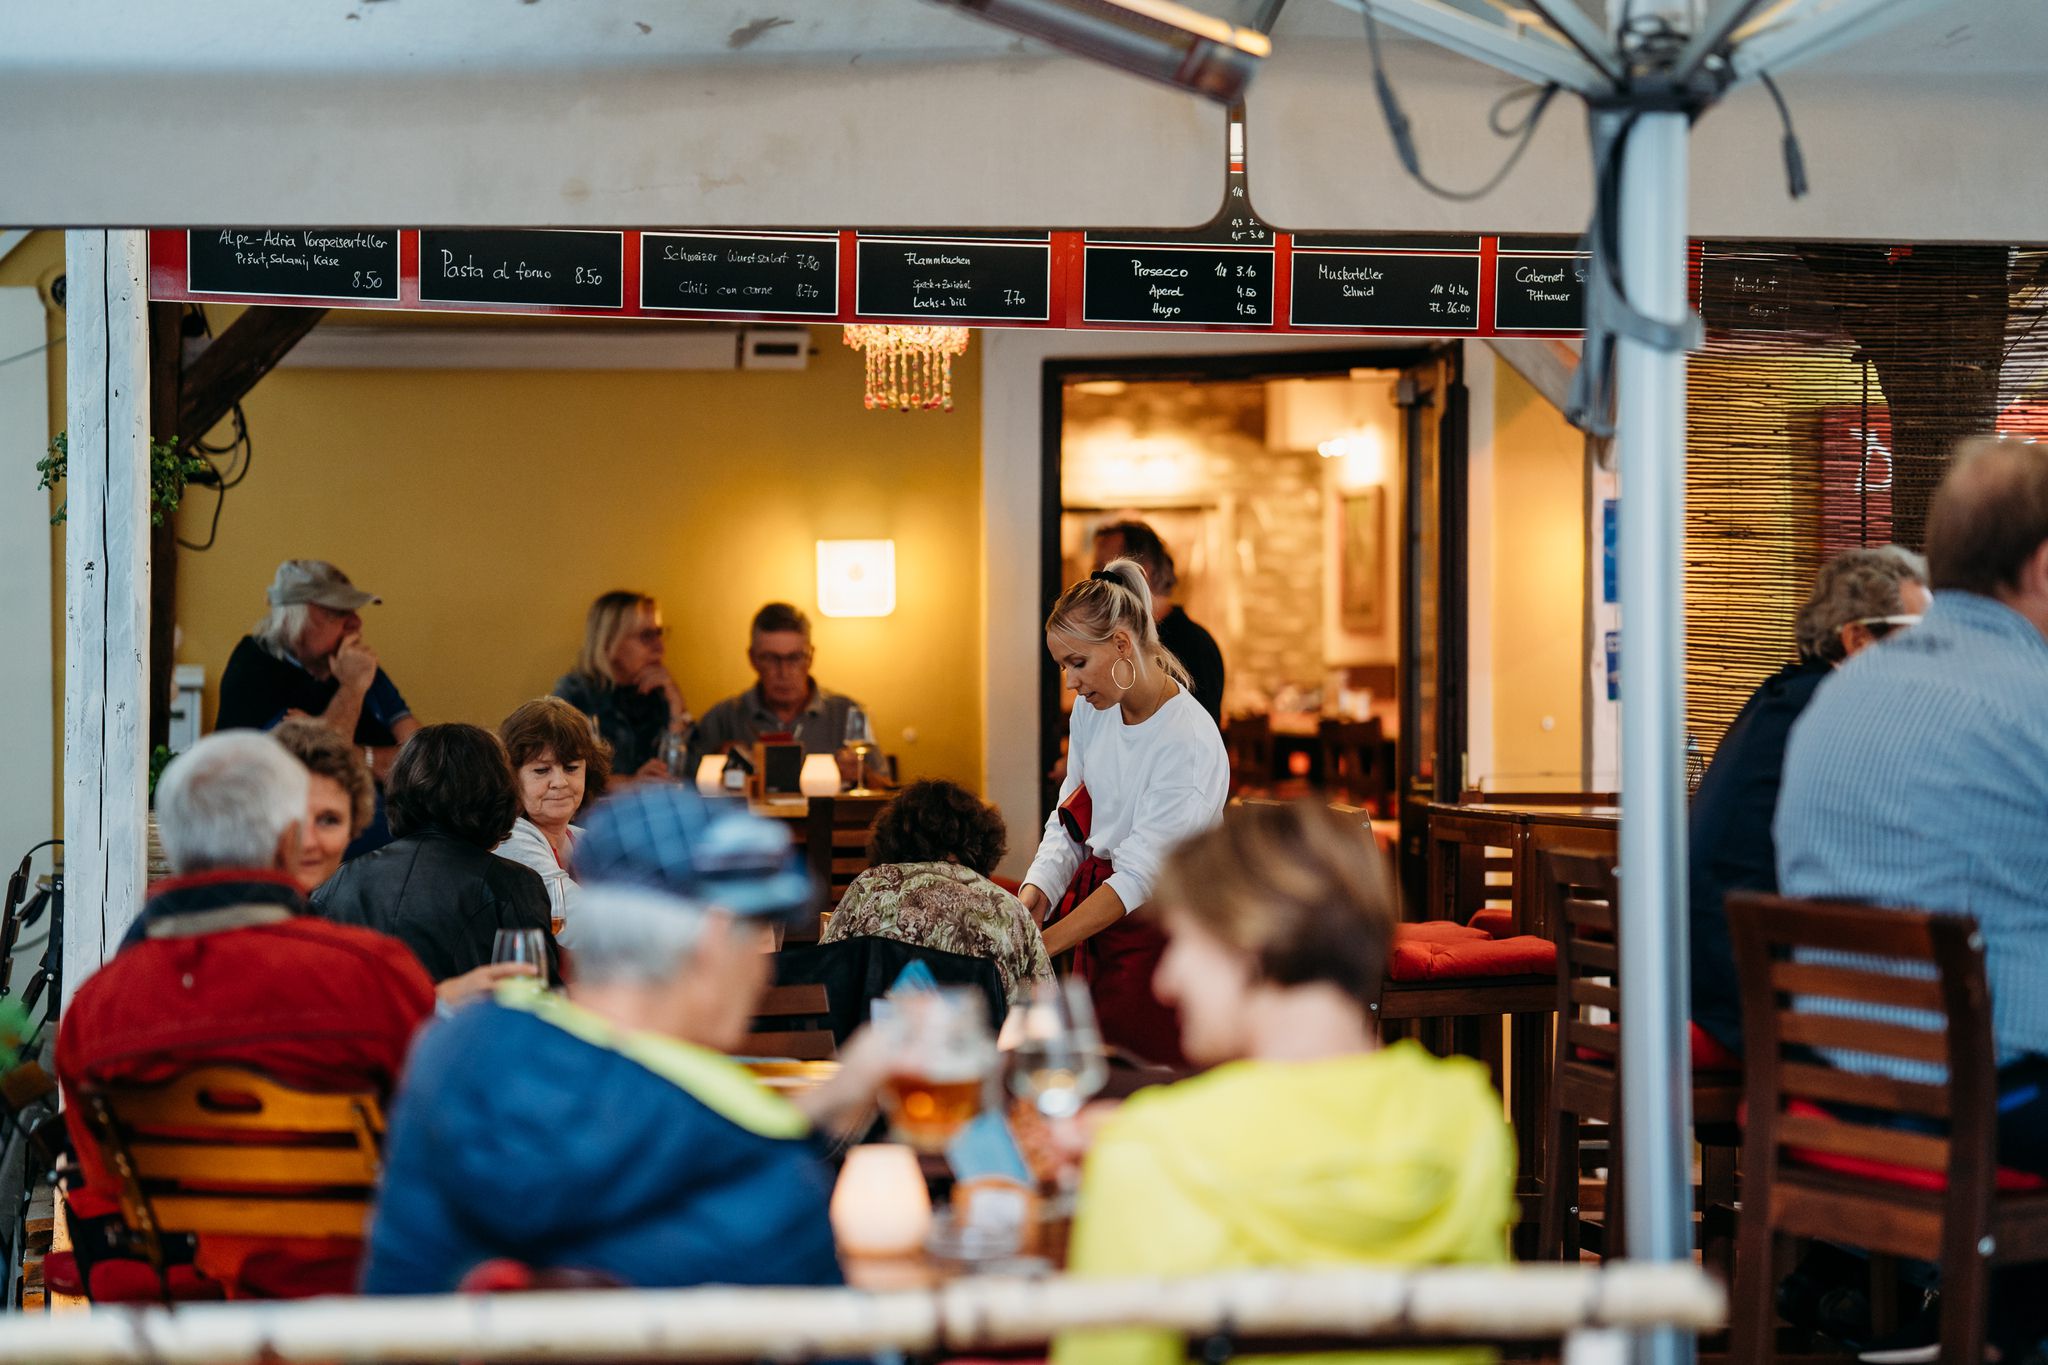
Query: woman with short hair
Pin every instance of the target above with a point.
(931, 851)
(438, 886)
(561, 766)
(623, 684)
(1307, 1143)
(340, 804)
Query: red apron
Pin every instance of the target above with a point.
(1118, 964)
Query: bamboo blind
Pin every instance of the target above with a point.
(1835, 380)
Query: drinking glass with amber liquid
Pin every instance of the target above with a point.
(941, 1054)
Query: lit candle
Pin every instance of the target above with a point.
(820, 776)
(880, 1206)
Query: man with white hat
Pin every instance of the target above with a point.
(307, 657)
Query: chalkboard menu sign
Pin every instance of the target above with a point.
(728, 273)
(299, 263)
(1771, 294)
(1182, 286)
(1516, 246)
(949, 278)
(551, 269)
(1387, 241)
(1539, 293)
(1385, 289)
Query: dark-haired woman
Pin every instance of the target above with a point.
(932, 849)
(1145, 770)
(561, 767)
(437, 886)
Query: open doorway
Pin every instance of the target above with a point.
(1308, 501)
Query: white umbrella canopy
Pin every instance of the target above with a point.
(579, 112)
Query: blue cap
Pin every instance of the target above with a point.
(666, 838)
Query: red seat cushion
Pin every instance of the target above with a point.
(1437, 931)
(1455, 959)
(2006, 1178)
(121, 1280)
(1495, 923)
(1707, 1055)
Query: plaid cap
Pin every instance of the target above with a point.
(667, 838)
(318, 582)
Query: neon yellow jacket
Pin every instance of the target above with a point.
(1393, 1157)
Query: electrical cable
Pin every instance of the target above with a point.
(33, 350)
(1399, 129)
(1795, 161)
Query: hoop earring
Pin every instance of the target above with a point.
(1121, 685)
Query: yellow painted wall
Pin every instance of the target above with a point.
(1539, 565)
(489, 508)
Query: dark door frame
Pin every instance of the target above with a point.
(1057, 374)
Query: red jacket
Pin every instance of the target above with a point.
(227, 968)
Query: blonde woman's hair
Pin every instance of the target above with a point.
(1301, 890)
(611, 616)
(1115, 597)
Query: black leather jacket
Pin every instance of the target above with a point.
(444, 898)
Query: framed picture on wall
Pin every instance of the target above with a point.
(1362, 560)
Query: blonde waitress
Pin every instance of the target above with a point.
(1145, 769)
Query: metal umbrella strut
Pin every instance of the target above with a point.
(1659, 66)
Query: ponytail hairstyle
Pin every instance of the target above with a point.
(1112, 598)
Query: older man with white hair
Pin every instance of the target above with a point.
(605, 1130)
(226, 967)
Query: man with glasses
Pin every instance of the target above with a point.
(785, 701)
(1860, 597)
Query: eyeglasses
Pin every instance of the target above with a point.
(763, 659)
(1881, 626)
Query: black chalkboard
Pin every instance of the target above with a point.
(1387, 241)
(1383, 289)
(1184, 286)
(1517, 246)
(719, 273)
(299, 263)
(924, 277)
(555, 269)
(1539, 293)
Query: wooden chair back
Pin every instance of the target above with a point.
(836, 840)
(1248, 740)
(1353, 764)
(792, 1021)
(1583, 911)
(1801, 963)
(227, 1151)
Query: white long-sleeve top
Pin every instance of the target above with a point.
(1151, 785)
(528, 847)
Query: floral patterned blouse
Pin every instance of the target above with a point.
(947, 907)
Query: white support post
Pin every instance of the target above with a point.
(106, 593)
(1650, 386)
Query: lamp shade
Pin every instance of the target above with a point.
(880, 1206)
(856, 577)
(820, 776)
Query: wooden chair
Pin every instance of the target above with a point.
(1354, 764)
(1583, 913)
(1248, 740)
(225, 1151)
(792, 1021)
(1914, 1172)
(836, 840)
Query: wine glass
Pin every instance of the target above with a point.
(521, 945)
(860, 738)
(940, 1052)
(1058, 1062)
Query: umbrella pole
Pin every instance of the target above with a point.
(1650, 389)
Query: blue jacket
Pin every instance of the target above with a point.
(1731, 848)
(531, 1129)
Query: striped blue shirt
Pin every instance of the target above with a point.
(1918, 779)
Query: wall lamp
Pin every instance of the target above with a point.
(1156, 39)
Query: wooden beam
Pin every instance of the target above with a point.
(226, 370)
(1548, 366)
(166, 372)
(106, 594)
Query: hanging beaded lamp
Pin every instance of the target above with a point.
(909, 367)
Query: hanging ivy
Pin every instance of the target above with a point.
(170, 468)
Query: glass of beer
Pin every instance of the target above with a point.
(941, 1054)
